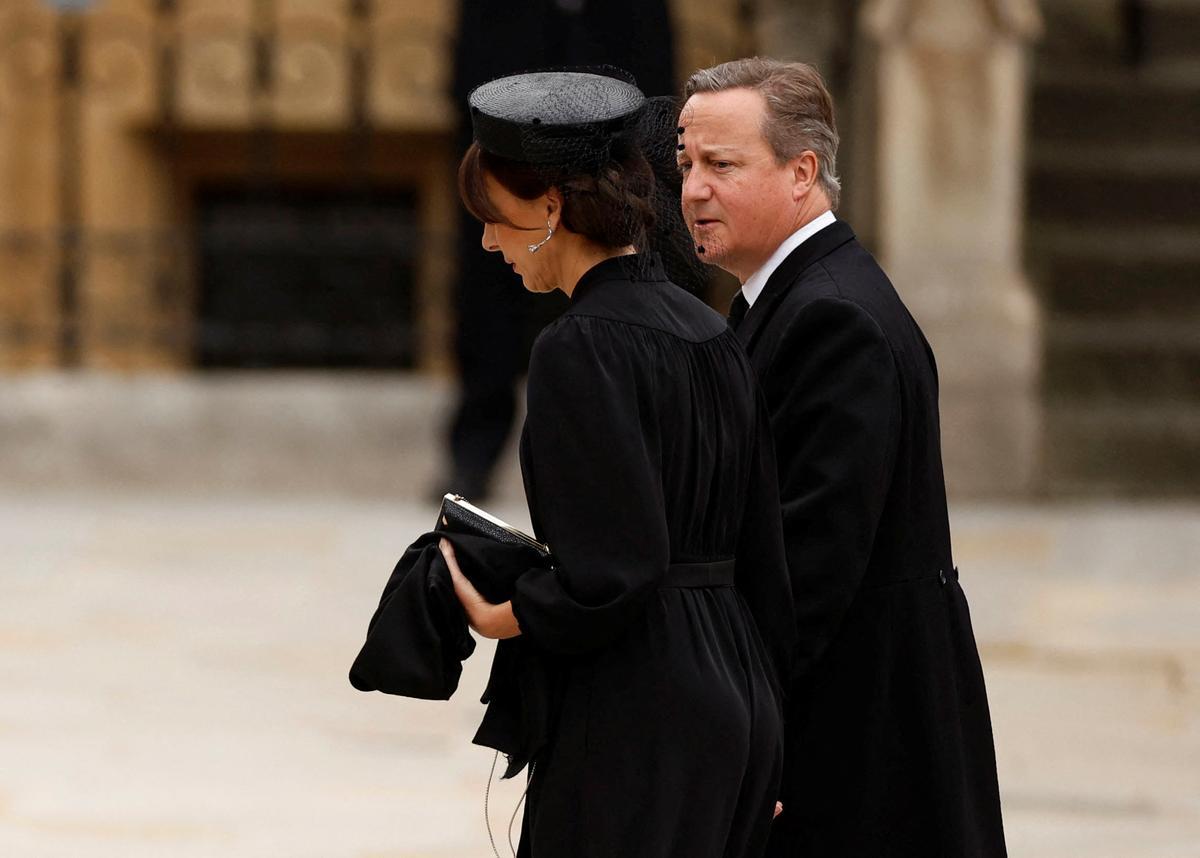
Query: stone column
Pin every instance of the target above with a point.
(824, 34)
(951, 90)
(29, 221)
(810, 32)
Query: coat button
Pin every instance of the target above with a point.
(942, 577)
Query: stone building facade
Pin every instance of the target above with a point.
(139, 139)
(1025, 169)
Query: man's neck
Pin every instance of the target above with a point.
(753, 287)
(813, 207)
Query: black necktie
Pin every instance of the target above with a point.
(737, 310)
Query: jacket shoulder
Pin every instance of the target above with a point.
(849, 274)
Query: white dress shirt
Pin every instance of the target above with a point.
(754, 284)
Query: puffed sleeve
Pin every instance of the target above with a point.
(596, 486)
(836, 424)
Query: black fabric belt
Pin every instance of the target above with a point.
(715, 573)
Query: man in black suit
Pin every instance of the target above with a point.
(889, 738)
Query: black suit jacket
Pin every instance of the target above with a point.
(889, 738)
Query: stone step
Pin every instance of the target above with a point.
(1084, 286)
(1138, 363)
(1117, 108)
(1086, 32)
(1113, 244)
(1141, 271)
(1136, 158)
(1110, 449)
(1075, 31)
(288, 432)
(1172, 29)
(1083, 187)
(1138, 244)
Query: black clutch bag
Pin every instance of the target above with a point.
(460, 516)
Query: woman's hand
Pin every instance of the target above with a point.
(491, 621)
(778, 809)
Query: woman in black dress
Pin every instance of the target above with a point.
(649, 470)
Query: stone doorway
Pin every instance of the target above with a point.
(306, 278)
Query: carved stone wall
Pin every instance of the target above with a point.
(110, 118)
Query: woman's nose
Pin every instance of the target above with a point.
(489, 238)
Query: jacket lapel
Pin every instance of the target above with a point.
(814, 249)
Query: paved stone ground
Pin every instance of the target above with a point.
(174, 681)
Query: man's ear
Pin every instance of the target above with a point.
(806, 170)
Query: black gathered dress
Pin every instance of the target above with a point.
(649, 470)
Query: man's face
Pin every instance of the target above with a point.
(738, 202)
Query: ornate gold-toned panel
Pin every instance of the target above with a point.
(112, 117)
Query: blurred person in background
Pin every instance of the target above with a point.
(888, 740)
(496, 320)
(648, 469)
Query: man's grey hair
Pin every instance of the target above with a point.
(799, 110)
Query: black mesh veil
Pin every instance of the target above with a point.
(670, 237)
(592, 131)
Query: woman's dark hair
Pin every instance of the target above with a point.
(613, 207)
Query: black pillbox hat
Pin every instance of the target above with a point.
(554, 118)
